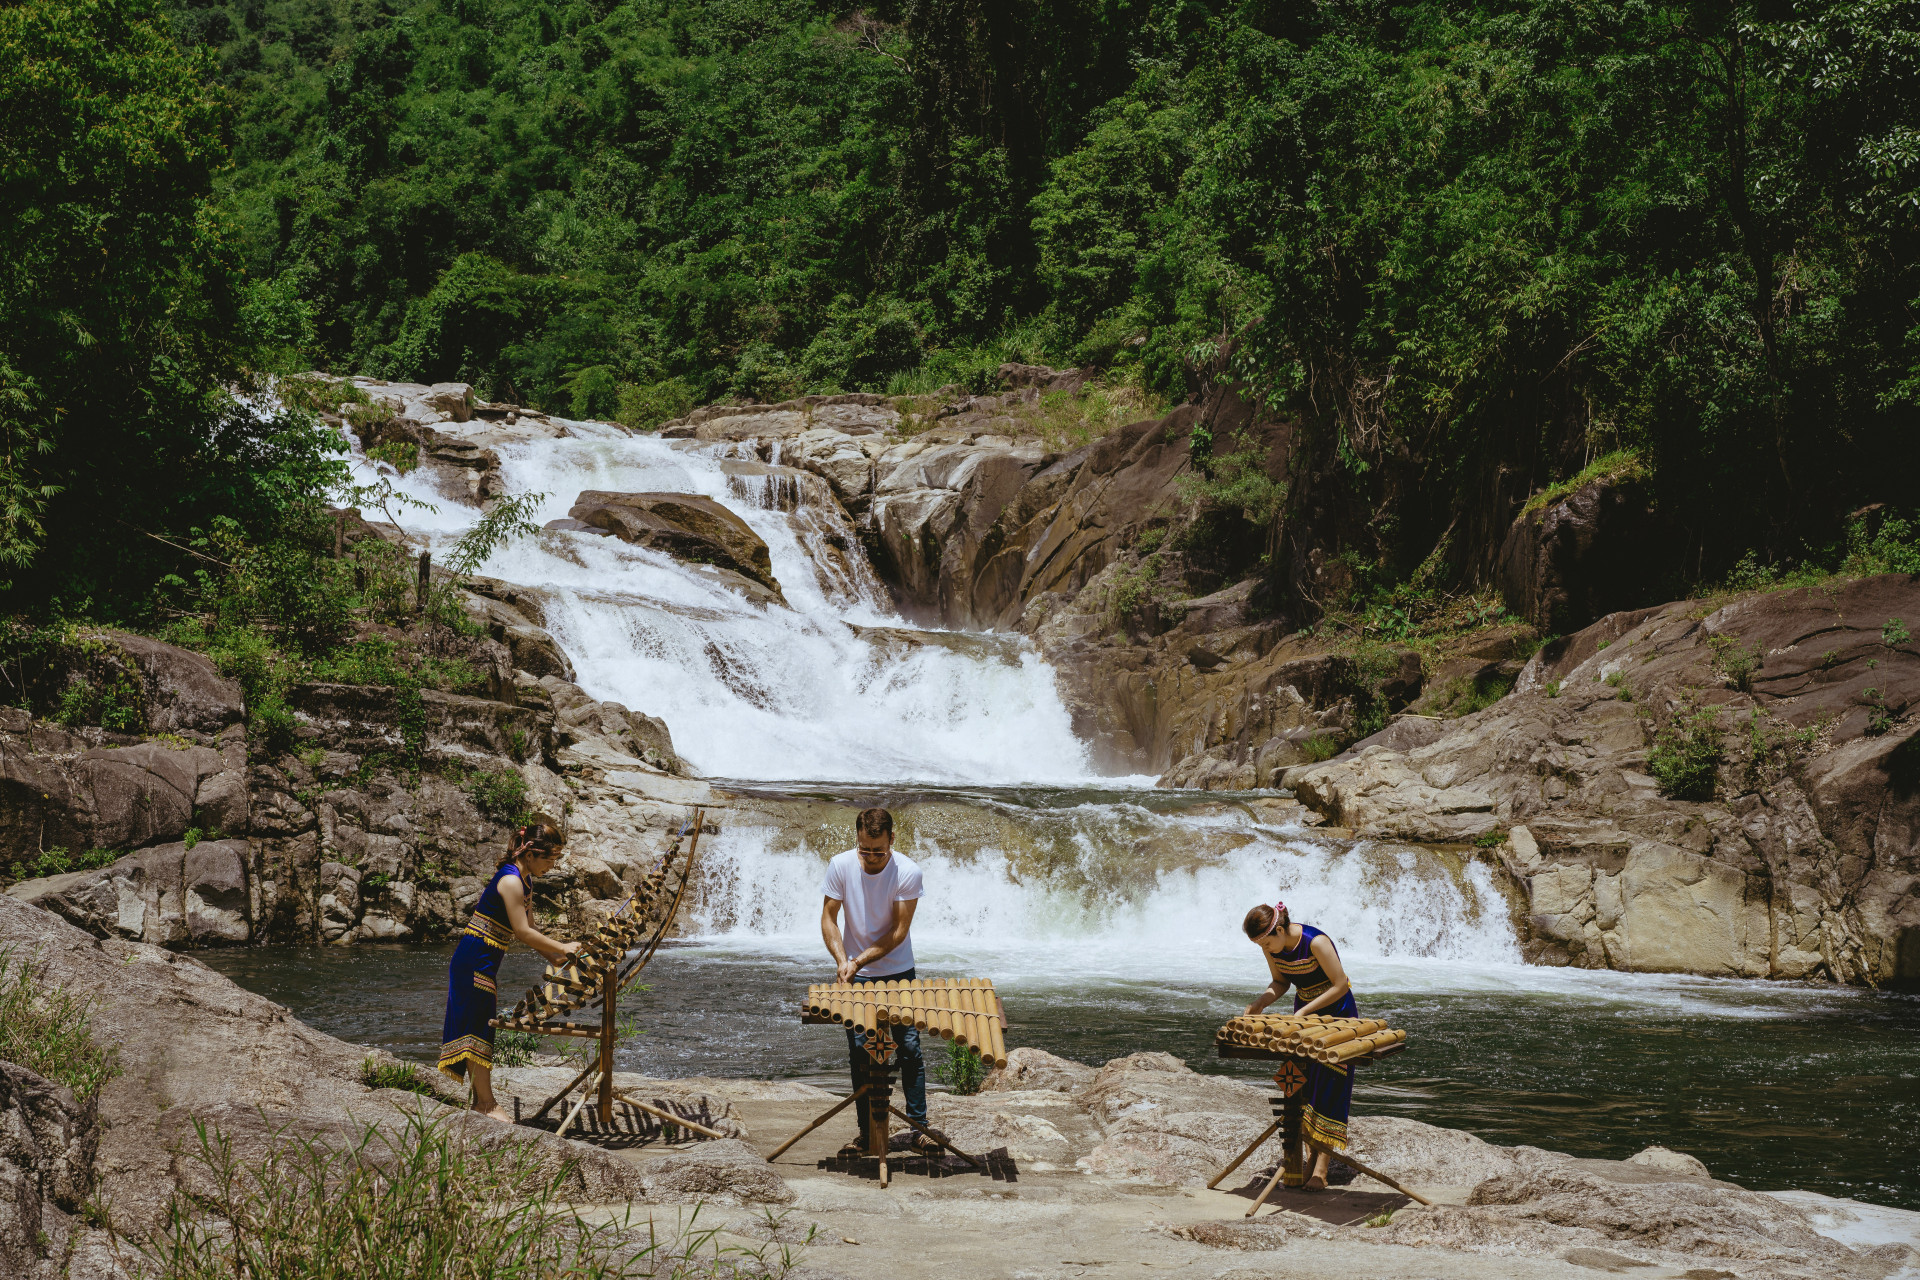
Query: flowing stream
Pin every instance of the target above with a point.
(1106, 911)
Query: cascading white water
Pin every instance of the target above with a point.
(752, 692)
(1104, 904)
(796, 693)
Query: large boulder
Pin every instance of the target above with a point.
(47, 1145)
(688, 527)
(1029, 1068)
(170, 895)
(88, 789)
(1798, 704)
(1165, 1124)
(1582, 556)
(191, 1045)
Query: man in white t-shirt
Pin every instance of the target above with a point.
(879, 890)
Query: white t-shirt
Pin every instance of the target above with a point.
(869, 903)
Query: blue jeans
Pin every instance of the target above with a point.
(913, 1068)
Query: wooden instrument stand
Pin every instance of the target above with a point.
(1288, 1118)
(964, 1010)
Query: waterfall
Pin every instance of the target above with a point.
(753, 693)
(1118, 890)
(1095, 876)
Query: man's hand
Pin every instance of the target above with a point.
(846, 969)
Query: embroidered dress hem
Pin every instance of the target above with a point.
(454, 1057)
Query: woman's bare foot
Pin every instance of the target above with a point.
(495, 1113)
(1317, 1178)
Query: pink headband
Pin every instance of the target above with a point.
(1279, 909)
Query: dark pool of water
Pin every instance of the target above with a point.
(1775, 1086)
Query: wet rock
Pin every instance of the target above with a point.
(580, 717)
(688, 527)
(513, 616)
(1029, 1068)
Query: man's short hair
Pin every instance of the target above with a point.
(873, 823)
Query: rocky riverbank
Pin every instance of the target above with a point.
(1098, 1167)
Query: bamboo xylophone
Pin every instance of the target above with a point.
(964, 1010)
(1315, 1037)
(640, 921)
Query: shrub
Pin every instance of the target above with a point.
(1686, 754)
(514, 1048)
(959, 1067)
(46, 1028)
(501, 795)
(1321, 746)
(644, 408)
(58, 862)
(1735, 661)
(1894, 633)
(1237, 480)
(1489, 839)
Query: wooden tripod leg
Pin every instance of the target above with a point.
(547, 1106)
(1272, 1182)
(1376, 1175)
(937, 1138)
(1241, 1158)
(671, 1118)
(825, 1116)
(611, 996)
(574, 1114)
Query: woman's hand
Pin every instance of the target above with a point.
(562, 950)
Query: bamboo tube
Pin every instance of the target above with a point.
(943, 999)
(1336, 1037)
(919, 1006)
(969, 1034)
(997, 1034)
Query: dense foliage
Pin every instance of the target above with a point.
(1473, 245)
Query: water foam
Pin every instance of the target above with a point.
(1112, 909)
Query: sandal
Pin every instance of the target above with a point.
(852, 1151)
(927, 1145)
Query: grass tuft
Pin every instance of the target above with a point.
(414, 1203)
(376, 1073)
(47, 1029)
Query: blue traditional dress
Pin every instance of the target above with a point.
(1329, 1089)
(473, 981)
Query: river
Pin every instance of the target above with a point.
(1105, 911)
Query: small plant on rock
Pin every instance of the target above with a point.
(1321, 746)
(47, 1029)
(1686, 754)
(1735, 661)
(377, 1073)
(960, 1068)
(501, 795)
(1894, 633)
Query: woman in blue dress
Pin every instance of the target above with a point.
(1300, 956)
(473, 979)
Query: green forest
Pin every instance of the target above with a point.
(1470, 245)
